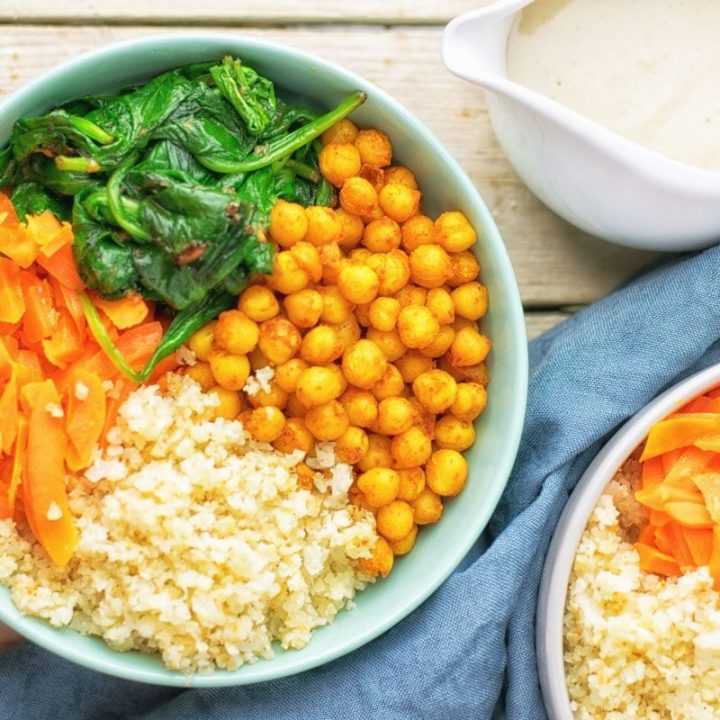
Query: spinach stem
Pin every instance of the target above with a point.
(118, 208)
(89, 128)
(77, 164)
(303, 170)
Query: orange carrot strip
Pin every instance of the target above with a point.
(680, 550)
(63, 238)
(40, 316)
(700, 543)
(652, 473)
(136, 345)
(124, 313)
(18, 246)
(12, 302)
(61, 265)
(86, 408)
(658, 518)
(711, 444)
(9, 414)
(689, 514)
(123, 388)
(68, 299)
(714, 563)
(6, 510)
(654, 561)
(7, 208)
(699, 404)
(42, 228)
(19, 460)
(66, 344)
(678, 431)
(647, 535)
(28, 368)
(709, 485)
(670, 458)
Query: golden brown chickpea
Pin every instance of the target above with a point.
(399, 202)
(202, 341)
(468, 348)
(411, 295)
(363, 364)
(362, 313)
(454, 434)
(327, 422)
(374, 175)
(338, 162)
(471, 300)
(390, 384)
(321, 345)
(201, 373)
(473, 373)
(287, 276)
(383, 313)
(470, 401)
(401, 175)
(453, 232)
(323, 226)
(360, 256)
(417, 326)
(258, 303)
(382, 235)
(465, 268)
(294, 436)
(358, 499)
(279, 340)
(374, 146)
(417, 231)
(332, 260)
(352, 229)
(348, 332)
(389, 342)
(446, 472)
(405, 544)
(343, 131)
(427, 507)
(257, 359)
(378, 453)
(439, 346)
(230, 371)
(460, 322)
(435, 390)
(358, 197)
(265, 424)
(287, 374)
(410, 448)
(275, 396)
(304, 308)
(342, 381)
(381, 560)
(392, 269)
(352, 445)
(376, 214)
(379, 485)
(441, 304)
(288, 223)
(429, 266)
(336, 308)
(395, 520)
(361, 407)
(358, 283)
(424, 419)
(412, 483)
(294, 409)
(412, 364)
(231, 403)
(308, 259)
(318, 386)
(236, 333)
(395, 415)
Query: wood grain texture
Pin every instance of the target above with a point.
(556, 265)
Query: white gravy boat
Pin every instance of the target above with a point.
(591, 176)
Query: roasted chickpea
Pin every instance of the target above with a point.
(435, 390)
(294, 436)
(429, 266)
(352, 445)
(401, 175)
(202, 341)
(231, 404)
(383, 313)
(201, 373)
(379, 485)
(358, 197)
(358, 499)
(411, 295)
(441, 304)
(416, 231)
(417, 326)
(412, 483)
(318, 386)
(376, 214)
(468, 348)
(288, 223)
(381, 560)
(332, 260)
(410, 448)
(473, 373)
(338, 162)
(348, 332)
(424, 419)
(265, 424)
(399, 202)
(465, 268)
(361, 407)
(295, 409)
(470, 300)
(395, 415)
(382, 235)
(287, 276)
(287, 374)
(363, 364)
(390, 343)
(230, 371)
(405, 544)
(341, 379)
(257, 359)
(327, 422)
(362, 313)
(358, 283)
(461, 322)
(427, 507)
(374, 146)
(236, 332)
(360, 256)
(390, 384)
(279, 340)
(258, 303)
(308, 259)
(374, 175)
(454, 434)
(392, 269)
(439, 346)
(412, 364)
(378, 453)
(446, 472)
(395, 520)
(323, 227)
(343, 131)
(321, 345)
(470, 401)
(336, 308)
(453, 232)
(352, 229)
(275, 396)
(304, 308)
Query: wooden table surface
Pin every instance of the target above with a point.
(396, 45)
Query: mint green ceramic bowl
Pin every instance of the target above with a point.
(445, 186)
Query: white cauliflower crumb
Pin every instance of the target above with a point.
(185, 356)
(81, 390)
(259, 380)
(54, 512)
(54, 410)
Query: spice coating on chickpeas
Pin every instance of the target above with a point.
(368, 324)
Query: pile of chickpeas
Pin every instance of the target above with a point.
(369, 321)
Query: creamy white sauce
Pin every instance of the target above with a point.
(647, 69)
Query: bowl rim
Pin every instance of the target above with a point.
(52, 639)
(555, 579)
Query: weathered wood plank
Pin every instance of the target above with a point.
(556, 265)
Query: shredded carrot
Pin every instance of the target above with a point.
(12, 302)
(86, 408)
(61, 266)
(124, 313)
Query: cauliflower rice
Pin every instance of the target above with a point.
(195, 542)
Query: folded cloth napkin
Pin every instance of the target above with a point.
(472, 643)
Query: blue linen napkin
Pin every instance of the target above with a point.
(472, 642)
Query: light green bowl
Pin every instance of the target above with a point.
(445, 186)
